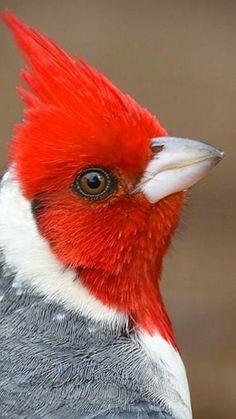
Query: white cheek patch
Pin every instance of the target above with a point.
(27, 252)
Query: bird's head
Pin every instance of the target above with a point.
(105, 182)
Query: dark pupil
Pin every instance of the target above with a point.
(93, 180)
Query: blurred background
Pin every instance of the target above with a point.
(178, 58)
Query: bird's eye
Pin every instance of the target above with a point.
(95, 183)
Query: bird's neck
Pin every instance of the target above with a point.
(136, 293)
(28, 255)
(132, 296)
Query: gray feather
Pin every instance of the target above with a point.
(55, 364)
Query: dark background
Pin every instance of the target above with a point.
(177, 58)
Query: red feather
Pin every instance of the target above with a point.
(77, 118)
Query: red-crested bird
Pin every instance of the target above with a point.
(88, 207)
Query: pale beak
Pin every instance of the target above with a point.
(176, 165)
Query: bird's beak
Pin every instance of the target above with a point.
(176, 165)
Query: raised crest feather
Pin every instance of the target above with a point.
(57, 79)
(73, 111)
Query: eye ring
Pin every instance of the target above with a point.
(95, 183)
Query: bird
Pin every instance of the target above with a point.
(88, 206)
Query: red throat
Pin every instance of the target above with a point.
(118, 253)
(135, 290)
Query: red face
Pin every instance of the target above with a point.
(102, 229)
(80, 184)
(78, 155)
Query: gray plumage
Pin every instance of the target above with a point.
(55, 364)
